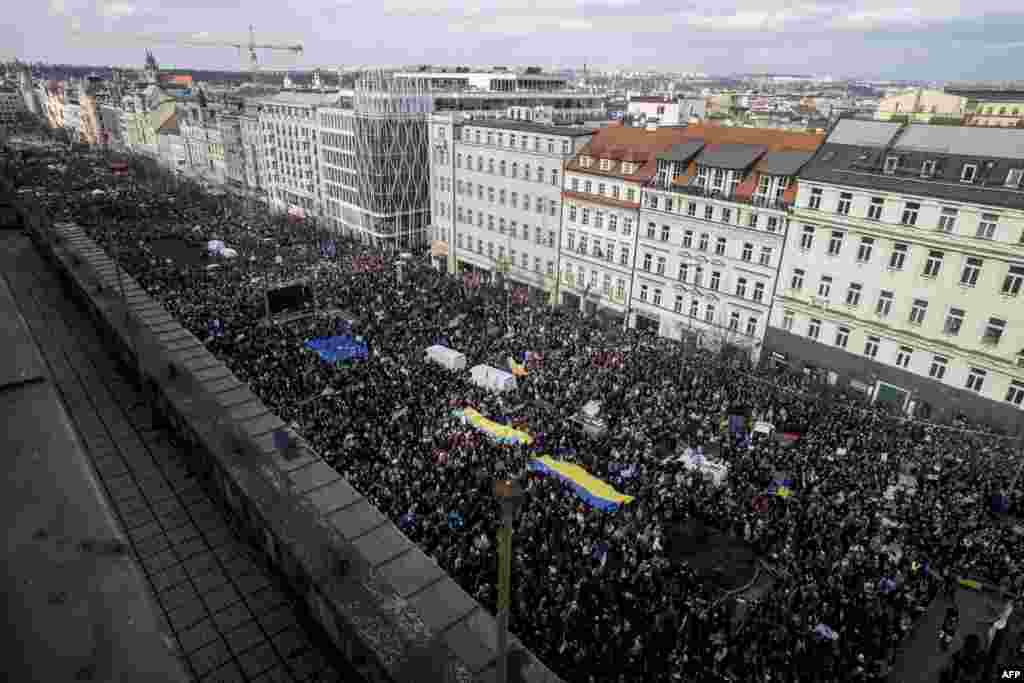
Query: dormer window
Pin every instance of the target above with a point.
(969, 172)
(628, 167)
(927, 169)
(1013, 178)
(605, 165)
(702, 176)
(585, 162)
(890, 165)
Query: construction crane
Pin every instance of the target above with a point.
(251, 46)
(199, 40)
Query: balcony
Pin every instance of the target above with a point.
(703, 193)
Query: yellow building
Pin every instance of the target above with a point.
(992, 107)
(904, 268)
(921, 106)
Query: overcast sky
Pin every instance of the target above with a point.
(927, 39)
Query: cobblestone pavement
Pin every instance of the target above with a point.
(232, 619)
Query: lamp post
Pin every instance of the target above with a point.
(511, 496)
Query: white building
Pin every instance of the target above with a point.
(290, 163)
(667, 111)
(905, 264)
(496, 196)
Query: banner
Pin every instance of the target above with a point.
(339, 348)
(497, 431)
(588, 488)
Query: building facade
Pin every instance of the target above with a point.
(12, 104)
(201, 131)
(904, 267)
(992, 107)
(711, 234)
(496, 197)
(921, 106)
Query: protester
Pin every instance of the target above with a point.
(598, 596)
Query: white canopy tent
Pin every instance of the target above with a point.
(493, 379)
(446, 357)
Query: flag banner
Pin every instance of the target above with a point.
(517, 369)
(781, 488)
(339, 348)
(367, 264)
(588, 488)
(497, 431)
(608, 359)
(472, 280)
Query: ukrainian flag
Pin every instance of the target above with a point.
(783, 488)
(589, 488)
(497, 431)
(517, 369)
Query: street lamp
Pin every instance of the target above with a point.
(511, 496)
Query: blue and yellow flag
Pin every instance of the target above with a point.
(783, 488)
(517, 369)
(589, 488)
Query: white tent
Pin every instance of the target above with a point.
(448, 358)
(493, 379)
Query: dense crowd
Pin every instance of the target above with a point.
(846, 568)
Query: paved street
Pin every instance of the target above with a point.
(231, 619)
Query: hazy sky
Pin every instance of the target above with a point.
(928, 39)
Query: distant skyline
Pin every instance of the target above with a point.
(881, 39)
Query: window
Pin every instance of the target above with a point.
(875, 209)
(691, 209)
(938, 368)
(709, 313)
(570, 240)
(716, 280)
(1015, 394)
(842, 336)
(853, 294)
(585, 217)
(620, 289)
(587, 185)
(835, 243)
(726, 216)
(613, 222)
(741, 287)
(807, 237)
(773, 223)
(871, 347)
(899, 256)
(968, 173)
(993, 331)
(688, 239)
(976, 380)
(972, 269)
(683, 271)
(845, 199)
(703, 244)
(903, 356)
(987, 226)
(651, 229)
(927, 169)
(572, 212)
(734, 321)
(678, 308)
(890, 165)
(583, 244)
(797, 281)
(536, 264)
(954, 321)
(624, 256)
(825, 286)
(698, 276)
(865, 248)
(720, 246)
(657, 297)
(606, 284)
(665, 232)
(630, 194)
(648, 260)
(748, 252)
(627, 226)
(693, 308)
(643, 292)
(1013, 281)
(884, 306)
(813, 328)
(652, 201)
(815, 200)
(751, 326)
(910, 211)
(766, 256)
(709, 212)
(615, 191)
(947, 221)
(787, 320)
(752, 220)
(759, 292)
(661, 265)
(917, 311)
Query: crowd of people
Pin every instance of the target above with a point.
(847, 563)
